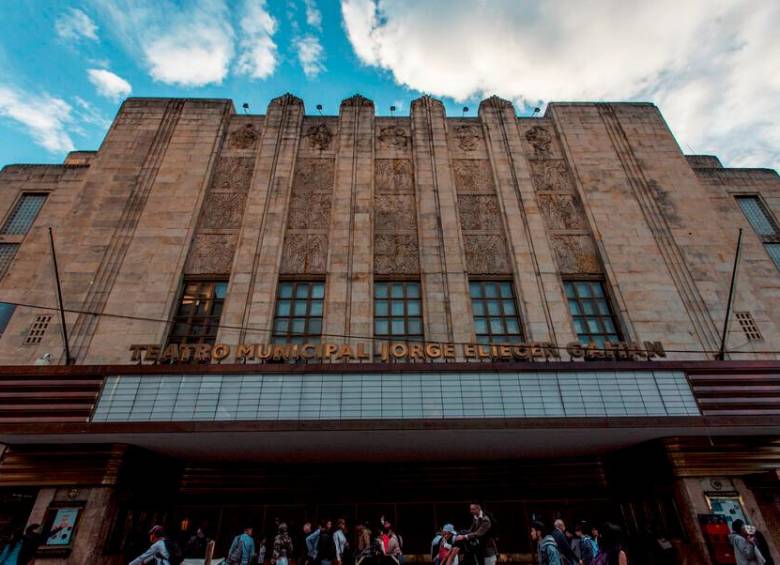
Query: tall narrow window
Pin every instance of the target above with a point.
(495, 312)
(398, 311)
(7, 253)
(200, 308)
(763, 224)
(299, 306)
(24, 213)
(591, 312)
(6, 311)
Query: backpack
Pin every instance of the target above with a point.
(237, 554)
(326, 548)
(175, 554)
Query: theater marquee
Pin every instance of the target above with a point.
(388, 352)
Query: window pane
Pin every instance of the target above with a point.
(6, 311)
(509, 308)
(756, 215)
(496, 327)
(381, 327)
(316, 308)
(512, 326)
(397, 308)
(404, 308)
(280, 325)
(380, 308)
(587, 308)
(413, 308)
(315, 326)
(583, 289)
(593, 326)
(774, 252)
(318, 290)
(302, 290)
(397, 290)
(569, 289)
(415, 326)
(490, 290)
(495, 315)
(479, 308)
(285, 290)
(398, 327)
(494, 309)
(506, 289)
(603, 307)
(480, 325)
(283, 308)
(299, 300)
(7, 253)
(198, 315)
(380, 290)
(475, 289)
(298, 326)
(220, 290)
(413, 290)
(609, 327)
(23, 215)
(299, 308)
(574, 307)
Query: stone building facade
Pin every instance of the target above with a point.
(588, 224)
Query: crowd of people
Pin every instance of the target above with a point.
(379, 544)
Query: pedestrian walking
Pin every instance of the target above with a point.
(611, 550)
(326, 548)
(564, 546)
(157, 553)
(743, 540)
(283, 546)
(479, 539)
(340, 541)
(546, 547)
(242, 549)
(588, 547)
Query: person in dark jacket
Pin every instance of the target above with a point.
(564, 547)
(34, 536)
(763, 547)
(479, 538)
(196, 545)
(546, 547)
(587, 545)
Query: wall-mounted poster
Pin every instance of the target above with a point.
(62, 525)
(728, 506)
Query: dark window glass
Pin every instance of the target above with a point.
(398, 311)
(23, 214)
(6, 311)
(591, 311)
(200, 308)
(773, 249)
(298, 316)
(757, 215)
(7, 253)
(495, 312)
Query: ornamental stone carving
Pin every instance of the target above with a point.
(311, 211)
(244, 137)
(233, 174)
(575, 253)
(540, 140)
(393, 137)
(468, 137)
(319, 137)
(314, 175)
(473, 175)
(357, 101)
(550, 176)
(394, 211)
(562, 212)
(211, 254)
(223, 210)
(486, 254)
(304, 253)
(479, 212)
(393, 176)
(396, 253)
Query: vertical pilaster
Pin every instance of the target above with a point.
(537, 281)
(447, 308)
(255, 273)
(350, 245)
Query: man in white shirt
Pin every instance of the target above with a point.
(157, 552)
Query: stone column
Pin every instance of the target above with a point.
(255, 272)
(536, 277)
(350, 245)
(446, 303)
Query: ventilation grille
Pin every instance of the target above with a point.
(38, 329)
(748, 325)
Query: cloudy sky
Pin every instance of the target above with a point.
(712, 66)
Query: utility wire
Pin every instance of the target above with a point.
(348, 336)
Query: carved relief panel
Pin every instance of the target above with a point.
(395, 218)
(486, 254)
(575, 253)
(304, 253)
(551, 175)
(233, 174)
(473, 175)
(393, 176)
(318, 137)
(211, 253)
(562, 211)
(466, 139)
(393, 137)
(396, 253)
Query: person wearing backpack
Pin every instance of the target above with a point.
(326, 547)
(242, 549)
(546, 546)
(157, 553)
(589, 549)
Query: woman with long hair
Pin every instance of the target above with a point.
(611, 550)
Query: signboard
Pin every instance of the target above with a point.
(389, 352)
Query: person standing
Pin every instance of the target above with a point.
(441, 546)
(196, 545)
(283, 546)
(481, 532)
(743, 541)
(242, 549)
(588, 547)
(157, 552)
(340, 541)
(611, 550)
(390, 545)
(363, 542)
(546, 547)
(326, 548)
(564, 546)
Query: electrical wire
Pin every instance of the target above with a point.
(350, 336)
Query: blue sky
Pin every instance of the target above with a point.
(710, 65)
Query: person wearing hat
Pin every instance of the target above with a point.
(441, 546)
(157, 552)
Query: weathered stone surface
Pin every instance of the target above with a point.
(211, 253)
(394, 211)
(304, 253)
(319, 137)
(486, 254)
(393, 176)
(473, 175)
(479, 212)
(562, 211)
(222, 210)
(540, 140)
(310, 211)
(575, 253)
(394, 137)
(244, 137)
(313, 175)
(551, 175)
(233, 174)
(469, 137)
(396, 254)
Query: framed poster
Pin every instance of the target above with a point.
(60, 526)
(727, 505)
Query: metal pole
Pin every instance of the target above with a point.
(68, 359)
(722, 352)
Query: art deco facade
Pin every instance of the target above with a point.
(302, 316)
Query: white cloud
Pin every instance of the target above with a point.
(109, 84)
(186, 46)
(310, 55)
(313, 15)
(45, 117)
(710, 65)
(258, 57)
(74, 25)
